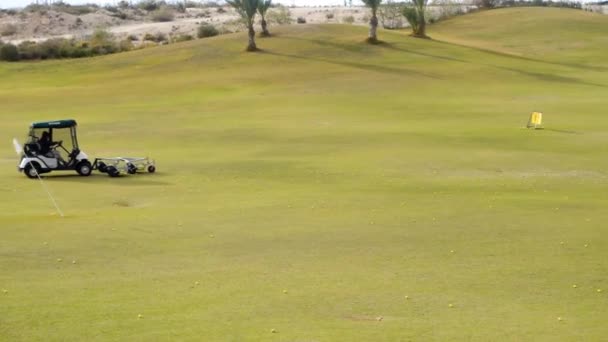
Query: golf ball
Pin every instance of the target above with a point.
(273, 331)
(140, 316)
(599, 290)
(59, 260)
(574, 286)
(559, 318)
(451, 305)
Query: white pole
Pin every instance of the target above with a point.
(47, 191)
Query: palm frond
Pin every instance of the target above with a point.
(263, 6)
(246, 8)
(373, 4)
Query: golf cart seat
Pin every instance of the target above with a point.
(32, 149)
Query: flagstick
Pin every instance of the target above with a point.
(48, 192)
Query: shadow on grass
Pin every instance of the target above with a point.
(550, 77)
(538, 75)
(333, 44)
(387, 69)
(561, 131)
(104, 179)
(391, 46)
(357, 65)
(527, 59)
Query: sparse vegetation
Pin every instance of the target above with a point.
(163, 14)
(158, 37)
(237, 24)
(125, 45)
(207, 30)
(120, 15)
(123, 4)
(487, 3)
(447, 9)
(99, 44)
(150, 5)
(102, 42)
(9, 11)
(415, 14)
(8, 30)
(280, 15)
(391, 15)
(533, 3)
(61, 6)
(182, 38)
(349, 19)
(9, 52)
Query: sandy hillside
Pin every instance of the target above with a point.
(38, 26)
(19, 26)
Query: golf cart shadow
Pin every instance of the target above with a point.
(100, 178)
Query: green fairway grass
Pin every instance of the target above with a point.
(311, 187)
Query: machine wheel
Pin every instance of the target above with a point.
(151, 168)
(102, 167)
(31, 170)
(131, 169)
(84, 168)
(113, 171)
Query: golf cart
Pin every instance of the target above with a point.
(52, 146)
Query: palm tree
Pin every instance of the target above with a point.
(263, 6)
(415, 15)
(373, 22)
(247, 10)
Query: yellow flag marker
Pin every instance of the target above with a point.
(536, 120)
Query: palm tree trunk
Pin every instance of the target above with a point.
(251, 46)
(265, 32)
(422, 25)
(373, 28)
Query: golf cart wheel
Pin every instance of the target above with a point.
(31, 171)
(131, 169)
(113, 171)
(102, 167)
(84, 168)
(151, 168)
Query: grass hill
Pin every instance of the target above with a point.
(324, 188)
